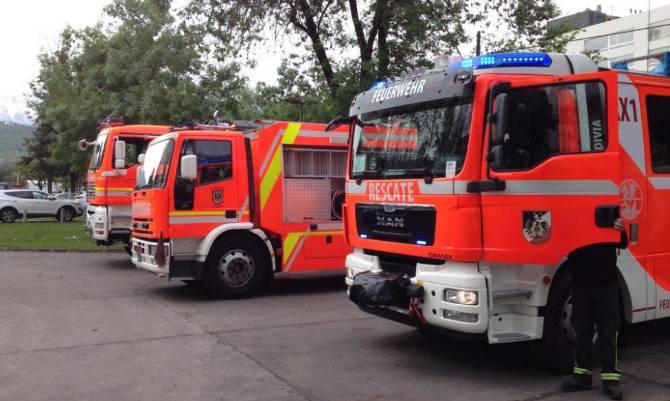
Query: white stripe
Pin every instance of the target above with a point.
(660, 182)
(436, 188)
(353, 188)
(558, 187)
(630, 132)
(202, 219)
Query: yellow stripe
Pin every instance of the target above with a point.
(273, 171)
(113, 189)
(291, 240)
(290, 133)
(199, 213)
(271, 176)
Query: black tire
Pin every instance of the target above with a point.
(126, 247)
(8, 215)
(236, 267)
(68, 212)
(557, 347)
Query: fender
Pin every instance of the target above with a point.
(208, 241)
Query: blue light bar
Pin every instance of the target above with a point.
(364, 235)
(663, 68)
(537, 59)
(421, 242)
(381, 83)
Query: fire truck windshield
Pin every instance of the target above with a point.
(424, 139)
(156, 164)
(98, 151)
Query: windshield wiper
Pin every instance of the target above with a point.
(425, 172)
(367, 174)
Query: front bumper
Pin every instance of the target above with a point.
(435, 280)
(143, 256)
(107, 224)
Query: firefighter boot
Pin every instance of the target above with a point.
(577, 383)
(611, 390)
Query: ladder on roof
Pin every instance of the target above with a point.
(663, 67)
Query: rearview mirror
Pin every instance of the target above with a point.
(119, 154)
(139, 177)
(140, 158)
(51, 197)
(500, 120)
(189, 167)
(337, 121)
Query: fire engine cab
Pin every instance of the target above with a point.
(111, 177)
(228, 207)
(469, 186)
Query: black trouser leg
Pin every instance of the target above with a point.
(606, 299)
(583, 322)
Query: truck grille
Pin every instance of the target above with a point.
(396, 223)
(90, 191)
(142, 226)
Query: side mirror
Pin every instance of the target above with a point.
(500, 119)
(119, 154)
(139, 176)
(189, 167)
(496, 157)
(51, 197)
(337, 121)
(140, 158)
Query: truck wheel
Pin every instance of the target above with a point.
(8, 215)
(68, 213)
(557, 348)
(235, 268)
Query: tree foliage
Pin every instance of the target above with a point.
(138, 62)
(351, 42)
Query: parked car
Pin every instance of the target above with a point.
(14, 202)
(78, 198)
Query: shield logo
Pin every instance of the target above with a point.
(217, 196)
(536, 226)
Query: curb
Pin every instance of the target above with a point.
(62, 250)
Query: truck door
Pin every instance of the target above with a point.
(213, 198)
(549, 146)
(655, 116)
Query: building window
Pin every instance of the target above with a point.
(658, 120)
(620, 39)
(599, 43)
(659, 32)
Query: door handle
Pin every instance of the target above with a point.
(313, 226)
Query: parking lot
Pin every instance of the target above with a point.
(84, 326)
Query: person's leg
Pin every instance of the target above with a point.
(583, 322)
(607, 326)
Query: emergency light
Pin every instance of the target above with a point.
(536, 59)
(380, 83)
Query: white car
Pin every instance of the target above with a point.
(14, 202)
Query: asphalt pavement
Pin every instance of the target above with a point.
(91, 327)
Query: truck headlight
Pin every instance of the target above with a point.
(350, 273)
(462, 297)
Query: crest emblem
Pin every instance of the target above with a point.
(631, 199)
(217, 196)
(536, 226)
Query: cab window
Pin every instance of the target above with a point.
(545, 121)
(134, 147)
(39, 195)
(658, 120)
(214, 159)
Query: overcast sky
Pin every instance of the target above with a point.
(27, 26)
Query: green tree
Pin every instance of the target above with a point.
(138, 62)
(350, 42)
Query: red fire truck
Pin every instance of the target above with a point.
(470, 185)
(111, 177)
(230, 207)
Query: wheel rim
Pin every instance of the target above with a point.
(236, 268)
(68, 214)
(7, 215)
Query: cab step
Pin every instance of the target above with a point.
(510, 337)
(511, 293)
